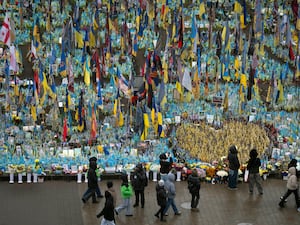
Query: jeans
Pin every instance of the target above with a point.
(90, 192)
(171, 202)
(255, 179)
(125, 205)
(232, 178)
(98, 192)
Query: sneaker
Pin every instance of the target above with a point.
(135, 205)
(156, 215)
(298, 209)
(281, 198)
(281, 204)
(178, 213)
(129, 215)
(83, 200)
(166, 214)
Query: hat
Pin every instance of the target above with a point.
(161, 183)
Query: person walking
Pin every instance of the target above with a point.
(171, 193)
(108, 210)
(92, 183)
(292, 187)
(234, 165)
(253, 167)
(139, 182)
(111, 189)
(97, 191)
(194, 189)
(126, 193)
(161, 196)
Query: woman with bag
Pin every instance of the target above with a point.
(253, 168)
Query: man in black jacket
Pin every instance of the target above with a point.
(139, 182)
(108, 211)
(92, 183)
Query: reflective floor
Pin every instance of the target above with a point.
(58, 202)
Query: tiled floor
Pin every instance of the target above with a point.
(58, 203)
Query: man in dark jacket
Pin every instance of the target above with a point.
(139, 182)
(108, 212)
(194, 189)
(92, 183)
(234, 165)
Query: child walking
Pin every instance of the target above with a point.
(126, 193)
(292, 187)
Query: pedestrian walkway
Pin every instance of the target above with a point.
(58, 203)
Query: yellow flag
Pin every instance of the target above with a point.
(79, 39)
(281, 94)
(87, 72)
(146, 120)
(237, 7)
(92, 39)
(33, 113)
(153, 115)
(243, 80)
(225, 103)
(201, 9)
(121, 119)
(115, 106)
(242, 21)
(178, 87)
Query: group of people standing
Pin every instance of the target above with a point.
(166, 190)
(254, 178)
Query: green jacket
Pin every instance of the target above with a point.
(126, 191)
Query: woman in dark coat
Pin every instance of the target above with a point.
(253, 167)
(194, 189)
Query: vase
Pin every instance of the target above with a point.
(85, 178)
(20, 178)
(178, 173)
(11, 177)
(79, 178)
(35, 178)
(154, 176)
(28, 177)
